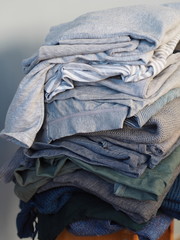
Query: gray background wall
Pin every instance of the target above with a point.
(23, 26)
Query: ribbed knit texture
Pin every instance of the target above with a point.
(171, 202)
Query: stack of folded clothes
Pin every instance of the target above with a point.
(97, 121)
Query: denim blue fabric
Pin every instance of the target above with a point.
(173, 214)
(24, 221)
(48, 202)
(100, 153)
(51, 201)
(92, 227)
(129, 159)
(155, 228)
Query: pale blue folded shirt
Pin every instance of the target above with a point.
(128, 42)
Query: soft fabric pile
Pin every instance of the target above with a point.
(97, 121)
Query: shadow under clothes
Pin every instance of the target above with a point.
(80, 206)
(66, 205)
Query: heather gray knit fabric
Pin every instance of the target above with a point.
(154, 25)
(143, 33)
